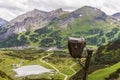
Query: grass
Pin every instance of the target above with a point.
(58, 59)
(103, 73)
(7, 60)
(64, 69)
(61, 63)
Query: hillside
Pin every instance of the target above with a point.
(62, 62)
(109, 53)
(45, 29)
(104, 62)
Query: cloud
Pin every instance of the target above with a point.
(14, 5)
(6, 14)
(10, 9)
(109, 6)
(54, 4)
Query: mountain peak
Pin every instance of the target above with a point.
(36, 10)
(91, 12)
(3, 22)
(117, 16)
(33, 13)
(59, 9)
(87, 10)
(1, 19)
(87, 7)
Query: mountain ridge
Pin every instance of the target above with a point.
(56, 26)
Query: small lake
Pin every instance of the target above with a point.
(30, 70)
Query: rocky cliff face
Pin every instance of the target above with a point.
(35, 19)
(31, 20)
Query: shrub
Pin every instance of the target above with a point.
(118, 71)
(113, 76)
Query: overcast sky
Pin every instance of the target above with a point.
(10, 9)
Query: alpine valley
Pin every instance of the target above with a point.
(36, 42)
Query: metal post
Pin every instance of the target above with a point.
(76, 46)
(89, 51)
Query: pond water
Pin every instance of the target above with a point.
(30, 70)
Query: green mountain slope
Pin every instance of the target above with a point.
(104, 62)
(108, 54)
(103, 73)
